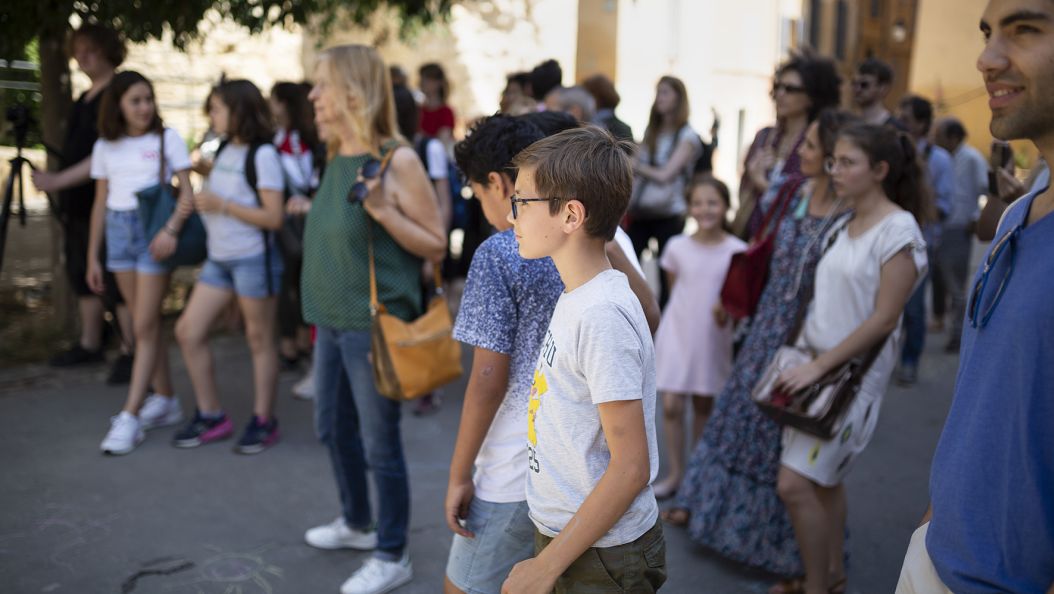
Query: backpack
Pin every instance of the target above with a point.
(457, 202)
(250, 178)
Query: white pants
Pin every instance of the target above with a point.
(918, 575)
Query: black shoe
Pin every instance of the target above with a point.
(286, 364)
(76, 355)
(121, 372)
(952, 347)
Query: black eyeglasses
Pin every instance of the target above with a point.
(1007, 243)
(359, 191)
(789, 89)
(517, 200)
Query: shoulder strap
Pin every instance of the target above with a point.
(782, 202)
(161, 159)
(250, 177)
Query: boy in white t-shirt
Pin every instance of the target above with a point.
(592, 451)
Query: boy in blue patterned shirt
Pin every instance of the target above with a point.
(504, 312)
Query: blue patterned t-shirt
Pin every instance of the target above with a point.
(506, 309)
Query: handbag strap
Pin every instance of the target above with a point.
(783, 200)
(161, 159)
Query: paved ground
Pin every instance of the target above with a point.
(209, 521)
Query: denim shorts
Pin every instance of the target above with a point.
(127, 247)
(504, 536)
(247, 277)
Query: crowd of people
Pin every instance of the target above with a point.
(325, 197)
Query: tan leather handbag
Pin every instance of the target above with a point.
(410, 359)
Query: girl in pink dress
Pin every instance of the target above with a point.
(693, 346)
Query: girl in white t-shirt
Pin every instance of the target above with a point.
(863, 282)
(127, 159)
(693, 349)
(243, 264)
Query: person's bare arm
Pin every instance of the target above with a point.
(1010, 189)
(487, 384)
(895, 285)
(637, 283)
(96, 229)
(446, 200)
(269, 216)
(627, 474)
(56, 181)
(673, 168)
(164, 243)
(407, 207)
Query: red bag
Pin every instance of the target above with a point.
(749, 269)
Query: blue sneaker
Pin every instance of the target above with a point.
(258, 436)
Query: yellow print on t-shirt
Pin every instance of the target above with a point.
(538, 387)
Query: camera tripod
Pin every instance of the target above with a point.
(13, 189)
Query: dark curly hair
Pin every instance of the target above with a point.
(551, 122)
(491, 144)
(819, 76)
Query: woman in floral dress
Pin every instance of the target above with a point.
(728, 498)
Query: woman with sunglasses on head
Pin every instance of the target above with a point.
(874, 262)
(727, 499)
(803, 86)
(355, 114)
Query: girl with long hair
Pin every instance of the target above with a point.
(243, 265)
(663, 167)
(128, 158)
(863, 282)
(355, 113)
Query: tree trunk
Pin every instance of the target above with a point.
(55, 108)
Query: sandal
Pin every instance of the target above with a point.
(675, 516)
(789, 586)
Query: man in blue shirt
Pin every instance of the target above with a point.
(953, 253)
(916, 114)
(990, 527)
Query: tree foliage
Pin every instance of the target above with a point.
(21, 21)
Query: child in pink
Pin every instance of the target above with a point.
(693, 346)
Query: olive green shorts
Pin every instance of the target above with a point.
(637, 567)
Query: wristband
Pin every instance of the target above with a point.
(168, 228)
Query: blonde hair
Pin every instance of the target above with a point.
(358, 71)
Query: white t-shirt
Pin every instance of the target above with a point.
(230, 238)
(598, 349)
(847, 282)
(624, 242)
(129, 165)
(437, 160)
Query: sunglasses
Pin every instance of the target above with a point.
(516, 200)
(1007, 243)
(789, 89)
(370, 170)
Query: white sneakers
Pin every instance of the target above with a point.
(160, 411)
(377, 576)
(125, 433)
(127, 430)
(337, 535)
(305, 388)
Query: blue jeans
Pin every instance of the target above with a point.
(914, 326)
(360, 428)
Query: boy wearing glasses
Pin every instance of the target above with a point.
(990, 527)
(503, 315)
(591, 445)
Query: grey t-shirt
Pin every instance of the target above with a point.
(598, 349)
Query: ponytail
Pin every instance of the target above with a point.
(905, 183)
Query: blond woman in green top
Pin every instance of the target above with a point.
(355, 114)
